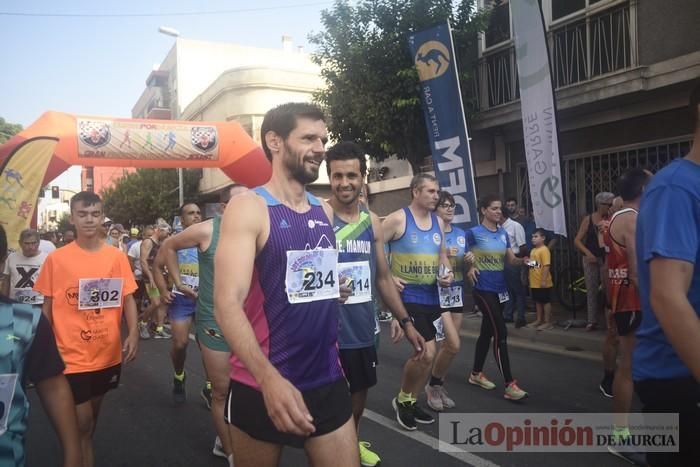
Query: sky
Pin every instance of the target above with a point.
(98, 65)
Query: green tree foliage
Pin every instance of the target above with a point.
(139, 198)
(8, 130)
(373, 93)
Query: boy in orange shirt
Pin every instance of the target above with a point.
(87, 285)
(541, 281)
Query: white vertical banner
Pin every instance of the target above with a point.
(538, 111)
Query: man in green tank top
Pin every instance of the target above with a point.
(215, 352)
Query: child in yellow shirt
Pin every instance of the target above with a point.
(541, 281)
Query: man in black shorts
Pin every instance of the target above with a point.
(362, 262)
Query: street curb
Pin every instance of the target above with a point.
(572, 343)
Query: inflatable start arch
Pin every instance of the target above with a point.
(56, 141)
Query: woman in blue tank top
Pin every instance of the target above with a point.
(491, 248)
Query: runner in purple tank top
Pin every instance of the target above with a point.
(276, 299)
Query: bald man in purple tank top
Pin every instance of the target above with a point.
(276, 296)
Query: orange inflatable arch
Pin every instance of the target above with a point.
(56, 141)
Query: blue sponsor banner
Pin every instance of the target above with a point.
(434, 58)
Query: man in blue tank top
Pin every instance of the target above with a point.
(362, 262)
(666, 360)
(181, 299)
(419, 263)
(276, 300)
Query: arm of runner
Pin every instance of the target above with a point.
(629, 236)
(670, 282)
(392, 229)
(390, 295)
(145, 251)
(5, 285)
(446, 279)
(159, 264)
(131, 343)
(243, 233)
(46, 308)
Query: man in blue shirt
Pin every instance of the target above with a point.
(666, 365)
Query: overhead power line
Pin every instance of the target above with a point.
(176, 13)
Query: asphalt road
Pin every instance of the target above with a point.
(139, 426)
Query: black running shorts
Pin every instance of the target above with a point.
(91, 384)
(329, 406)
(360, 367)
(423, 317)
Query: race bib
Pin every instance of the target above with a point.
(503, 297)
(7, 393)
(28, 296)
(358, 278)
(439, 330)
(311, 275)
(99, 293)
(450, 297)
(190, 281)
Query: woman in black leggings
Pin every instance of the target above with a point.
(491, 249)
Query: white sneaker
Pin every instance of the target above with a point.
(447, 402)
(219, 449)
(434, 399)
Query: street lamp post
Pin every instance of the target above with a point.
(181, 186)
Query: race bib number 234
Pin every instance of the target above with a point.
(311, 275)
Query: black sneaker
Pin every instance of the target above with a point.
(520, 323)
(404, 414)
(606, 387)
(421, 416)
(179, 396)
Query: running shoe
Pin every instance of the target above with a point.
(481, 380)
(205, 394)
(421, 416)
(367, 457)
(218, 450)
(144, 333)
(625, 453)
(162, 333)
(404, 413)
(179, 396)
(545, 327)
(447, 402)
(433, 397)
(514, 393)
(606, 387)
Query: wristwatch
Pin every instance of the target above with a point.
(404, 321)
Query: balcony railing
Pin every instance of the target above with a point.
(580, 50)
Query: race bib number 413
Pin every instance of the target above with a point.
(99, 293)
(311, 275)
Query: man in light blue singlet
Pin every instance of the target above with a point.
(181, 303)
(419, 263)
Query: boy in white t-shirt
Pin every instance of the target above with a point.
(22, 268)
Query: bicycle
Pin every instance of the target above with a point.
(571, 283)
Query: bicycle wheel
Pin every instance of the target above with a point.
(564, 289)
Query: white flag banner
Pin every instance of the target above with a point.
(538, 111)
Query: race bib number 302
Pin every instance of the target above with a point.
(99, 293)
(311, 275)
(358, 278)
